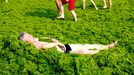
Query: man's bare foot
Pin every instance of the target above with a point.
(75, 19)
(60, 17)
(54, 40)
(113, 44)
(105, 7)
(96, 8)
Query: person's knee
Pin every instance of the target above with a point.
(71, 10)
(56, 1)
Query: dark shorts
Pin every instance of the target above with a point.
(68, 48)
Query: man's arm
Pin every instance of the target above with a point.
(49, 45)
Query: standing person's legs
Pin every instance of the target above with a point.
(84, 4)
(62, 9)
(92, 1)
(105, 4)
(74, 15)
(71, 8)
(6, 1)
(57, 2)
(62, 13)
(110, 3)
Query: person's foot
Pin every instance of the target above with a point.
(113, 44)
(84, 8)
(54, 40)
(60, 17)
(96, 8)
(105, 7)
(75, 19)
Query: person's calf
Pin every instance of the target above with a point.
(105, 7)
(110, 3)
(6, 1)
(84, 4)
(74, 15)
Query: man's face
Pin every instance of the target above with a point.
(28, 38)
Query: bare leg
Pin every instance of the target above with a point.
(92, 1)
(105, 4)
(91, 52)
(6, 1)
(62, 11)
(100, 47)
(76, 47)
(110, 3)
(91, 46)
(74, 15)
(84, 4)
(79, 49)
(57, 2)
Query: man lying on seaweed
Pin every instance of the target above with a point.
(67, 48)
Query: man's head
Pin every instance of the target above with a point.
(20, 37)
(26, 37)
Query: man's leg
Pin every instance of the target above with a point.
(84, 4)
(105, 4)
(74, 15)
(62, 13)
(6, 1)
(110, 3)
(71, 8)
(61, 9)
(91, 52)
(57, 4)
(99, 47)
(92, 1)
(91, 46)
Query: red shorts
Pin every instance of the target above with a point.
(71, 3)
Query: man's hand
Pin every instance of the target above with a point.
(54, 40)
